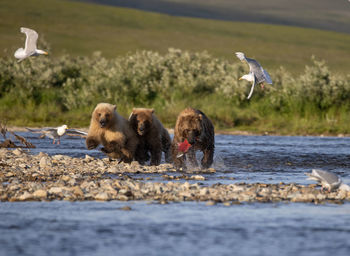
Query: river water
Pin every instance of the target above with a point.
(191, 228)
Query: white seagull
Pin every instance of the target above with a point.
(256, 74)
(30, 45)
(58, 132)
(328, 180)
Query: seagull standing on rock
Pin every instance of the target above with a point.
(256, 74)
(58, 132)
(30, 45)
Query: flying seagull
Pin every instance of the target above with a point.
(256, 74)
(30, 45)
(58, 132)
(328, 180)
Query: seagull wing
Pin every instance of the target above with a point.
(42, 130)
(32, 37)
(74, 132)
(251, 89)
(240, 55)
(267, 76)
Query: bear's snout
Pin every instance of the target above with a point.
(191, 137)
(141, 129)
(103, 123)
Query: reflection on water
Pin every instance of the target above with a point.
(100, 228)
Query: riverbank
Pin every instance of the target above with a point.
(27, 177)
(220, 131)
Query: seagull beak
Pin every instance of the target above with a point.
(240, 78)
(46, 53)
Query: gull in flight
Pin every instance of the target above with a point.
(256, 74)
(58, 132)
(328, 180)
(30, 45)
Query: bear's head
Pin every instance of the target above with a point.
(141, 120)
(190, 127)
(104, 113)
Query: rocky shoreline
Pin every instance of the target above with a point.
(27, 177)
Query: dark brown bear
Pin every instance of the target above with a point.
(113, 131)
(195, 126)
(153, 137)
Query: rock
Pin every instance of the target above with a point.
(44, 162)
(42, 194)
(210, 203)
(113, 170)
(58, 157)
(122, 197)
(125, 208)
(197, 177)
(88, 158)
(25, 196)
(204, 191)
(17, 152)
(102, 196)
(3, 152)
(55, 190)
(77, 191)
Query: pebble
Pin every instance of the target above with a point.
(40, 193)
(17, 152)
(44, 162)
(102, 196)
(125, 208)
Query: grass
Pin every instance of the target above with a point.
(320, 14)
(79, 29)
(136, 69)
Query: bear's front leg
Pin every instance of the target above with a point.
(192, 157)
(127, 155)
(156, 155)
(207, 159)
(91, 143)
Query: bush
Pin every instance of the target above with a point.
(54, 88)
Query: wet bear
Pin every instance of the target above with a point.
(195, 126)
(153, 137)
(113, 131)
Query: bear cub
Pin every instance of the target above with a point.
(153, 137)
(113, 131)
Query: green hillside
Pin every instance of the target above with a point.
(80, 29)
(321, 14)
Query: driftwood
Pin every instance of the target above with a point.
(9, 143)
(21, 139)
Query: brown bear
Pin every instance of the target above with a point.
(195, 126)
(113, 131)
(152, 135)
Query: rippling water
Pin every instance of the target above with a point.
(190, 228)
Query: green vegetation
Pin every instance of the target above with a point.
(134, 68)
(322, 14)
(66, 89)
(79, 29)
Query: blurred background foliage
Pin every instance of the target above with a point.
(65, 89)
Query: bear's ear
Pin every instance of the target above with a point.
(152, 111)
(114, 107)
(200, 117)
(131, 116)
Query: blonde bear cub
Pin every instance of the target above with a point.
(113, 131)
